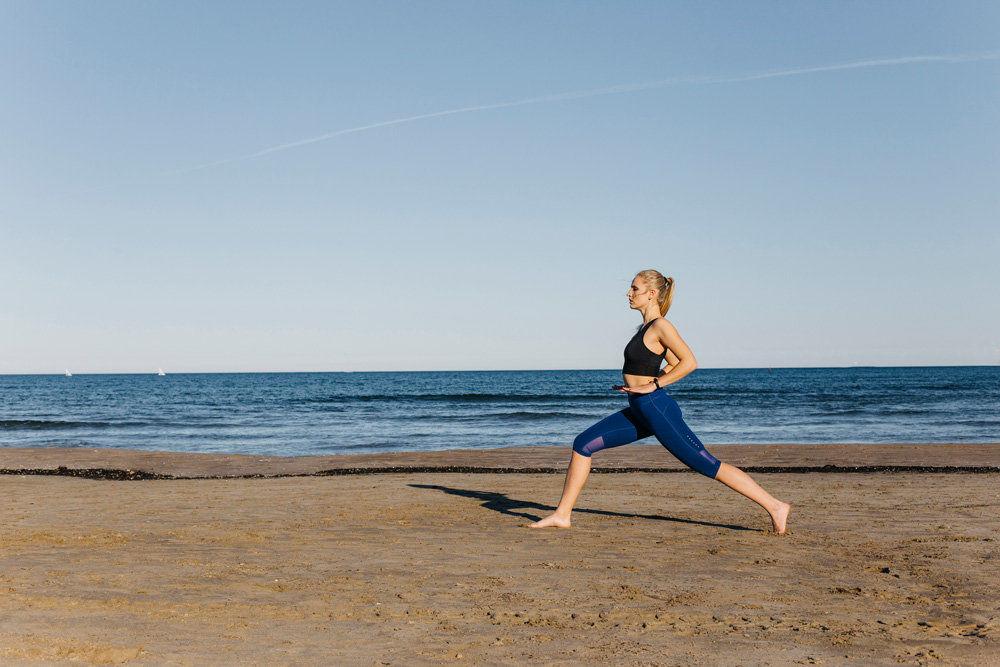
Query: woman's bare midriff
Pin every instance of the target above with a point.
(636, 380)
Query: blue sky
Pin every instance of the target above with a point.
(823, 218)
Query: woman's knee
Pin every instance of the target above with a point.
(708, 465)
(585, 444)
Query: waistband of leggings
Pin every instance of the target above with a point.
(656, 393)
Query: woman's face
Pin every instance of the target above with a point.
(638, 294)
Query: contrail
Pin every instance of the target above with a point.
(449, 112)
(609, 90)
(885, 62)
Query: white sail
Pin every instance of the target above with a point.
(68, 374)
(161, 372)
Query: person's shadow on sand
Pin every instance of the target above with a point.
(504, 504)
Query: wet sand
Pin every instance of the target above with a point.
(881, 568)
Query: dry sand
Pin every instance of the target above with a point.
(882, 568)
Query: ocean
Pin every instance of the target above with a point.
(289, 414)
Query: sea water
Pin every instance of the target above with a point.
(330, 413)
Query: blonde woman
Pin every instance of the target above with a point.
(651, 411)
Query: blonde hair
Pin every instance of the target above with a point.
(664, 287)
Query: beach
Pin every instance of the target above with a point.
(424, 558)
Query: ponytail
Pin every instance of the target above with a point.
(667, 296)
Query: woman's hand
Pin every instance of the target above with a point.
(647, 388)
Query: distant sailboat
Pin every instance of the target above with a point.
(161, 372)
(68, 374)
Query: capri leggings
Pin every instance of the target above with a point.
(649, 414)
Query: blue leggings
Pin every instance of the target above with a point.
(649, 414)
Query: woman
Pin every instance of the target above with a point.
(651, 411)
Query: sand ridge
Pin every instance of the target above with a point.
(140, 464)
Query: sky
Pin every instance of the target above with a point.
(394, 186)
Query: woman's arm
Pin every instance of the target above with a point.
(672, 361)
(673, 343)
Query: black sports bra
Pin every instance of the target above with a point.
(639, 359)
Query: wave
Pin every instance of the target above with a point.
(891, 411)
(988, 423)
(457, 398)
(727, 391)
(42, 425)
(876, 411)
(532, 416)
(937, 387)
(476, 417)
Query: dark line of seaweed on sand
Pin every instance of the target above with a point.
(117, 475)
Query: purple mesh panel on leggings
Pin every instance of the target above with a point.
(711, 469)
(595, 445)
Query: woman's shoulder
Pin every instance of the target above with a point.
(662, 325)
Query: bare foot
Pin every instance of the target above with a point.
(553, 520)
(780, 517)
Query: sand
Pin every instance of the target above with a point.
(880, 568)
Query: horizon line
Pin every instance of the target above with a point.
(500, 370)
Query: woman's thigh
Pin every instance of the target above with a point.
(663, 415)
(616, 430)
